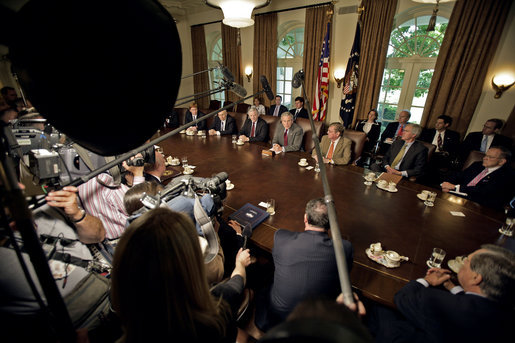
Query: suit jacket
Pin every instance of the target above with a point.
(230, 125)
(451, 139)
(342, 150)
(305, 265)
(439, 316)
(282, 109)
(494, 190)
(152, 178)
(201, 125)
(373, 134)
(303, 113)
(474, 139)
(413, 162)
(390, 130)
(295, 135)
(261, 134)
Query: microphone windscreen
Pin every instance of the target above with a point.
(298, 78)
(228, 76)
(77, 64)
(266, 87)
(238, 90)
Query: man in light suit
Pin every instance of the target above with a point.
(288, 136)
(341, 150)
(479, 310)
(299, 111)
(305, 265)
(406, 156)
(490, 183)
(278, 109)
(223, 124)
(254, 129)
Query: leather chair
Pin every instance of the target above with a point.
(272, 124)
(215, 104)
(242, 107)
(230, 109)
(240, 119)
(430, 149)
(307, 142)
(181, 114)
(358, 139)
(474, 156)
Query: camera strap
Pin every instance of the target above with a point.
(114, 171)
(207, 229)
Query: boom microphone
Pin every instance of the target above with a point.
(237, 89)
(228, 76)
(266, 87)
(298, 78)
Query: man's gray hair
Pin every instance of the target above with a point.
(316, 211)
(252, 109)
(286, 114)
(496, 266)
(416, 129)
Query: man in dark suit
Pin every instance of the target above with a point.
(483, 140)
(479, 310)
(254, 129)
(223, 124)
(305, 265)
(194, 114)
(490, 183)
(277, 109)
(395, 129)
(406, 156)
(299, 111)
(154, 171)
(288, 136)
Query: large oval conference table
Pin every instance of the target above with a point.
(366, 214)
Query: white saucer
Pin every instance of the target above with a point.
(229, 187)
(175, 164)
(240, 143)
(303, 165)
(183, 131)
(387, 189)
(188, 173)
(420, 197)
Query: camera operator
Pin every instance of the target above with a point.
(64, 229)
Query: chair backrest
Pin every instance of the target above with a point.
(215, 104)
(272, 124)
(230, 109)
(474, 156)
(358, 139)
(430, 149)
(239, 117)
(242, 107)
(307, 143)
(181, 114)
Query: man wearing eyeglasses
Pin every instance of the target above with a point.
(490, 183)
(335, 148)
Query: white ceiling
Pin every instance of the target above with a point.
(180, 8)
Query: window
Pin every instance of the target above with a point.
(215, 57)
(289, 60)
(410, 63)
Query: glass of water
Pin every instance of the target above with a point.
(436, 259)
(184, 161)
(271, 206)
(507, 228)
(430, 201)
(234, 138)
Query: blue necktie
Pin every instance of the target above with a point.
(483, 144)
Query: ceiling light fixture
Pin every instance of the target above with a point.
(237, 13)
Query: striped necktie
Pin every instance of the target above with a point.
(399, 156)
(439, 141)
(478, 178)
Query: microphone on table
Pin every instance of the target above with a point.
(266, 87)
(298, 78)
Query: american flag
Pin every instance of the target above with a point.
(322, 89)
(351, 81)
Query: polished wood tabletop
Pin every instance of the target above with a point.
(366, 214)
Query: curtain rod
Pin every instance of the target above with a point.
(278, 11)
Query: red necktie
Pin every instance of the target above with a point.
(399, 133)
(330, 152)
(285, 138)
(478, 178)
(253, 132)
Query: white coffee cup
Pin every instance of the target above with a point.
(382, 183)
(239, 141)
(376, 249)
(303, 161)
(392, 186)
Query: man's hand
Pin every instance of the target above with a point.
(390, 170)
(357, 307)
(326, 160)
(235, 226)
(243, 138)
(437, 276)
(447, 186)
(66, 199)
(212, 132)
(388, 140)
(277, 148)
(243, 257)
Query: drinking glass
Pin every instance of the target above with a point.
(369, 176)
(271, 206)
(436, 259)
(234, 138)
(431, 197)
(317, 168)
(184, 161)
(507, 228)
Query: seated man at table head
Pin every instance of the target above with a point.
(278, 109)
(480, 309)
(223, 124)
(288, 135)
(305, 265)
(193, 114)
(395, 129)
(483, 140)
(254, 129)
(406, 156)
(299, 111)
(490, 182)
(335, 148)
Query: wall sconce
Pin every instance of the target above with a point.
(248, 72)
(501, 83)
(339, 74)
